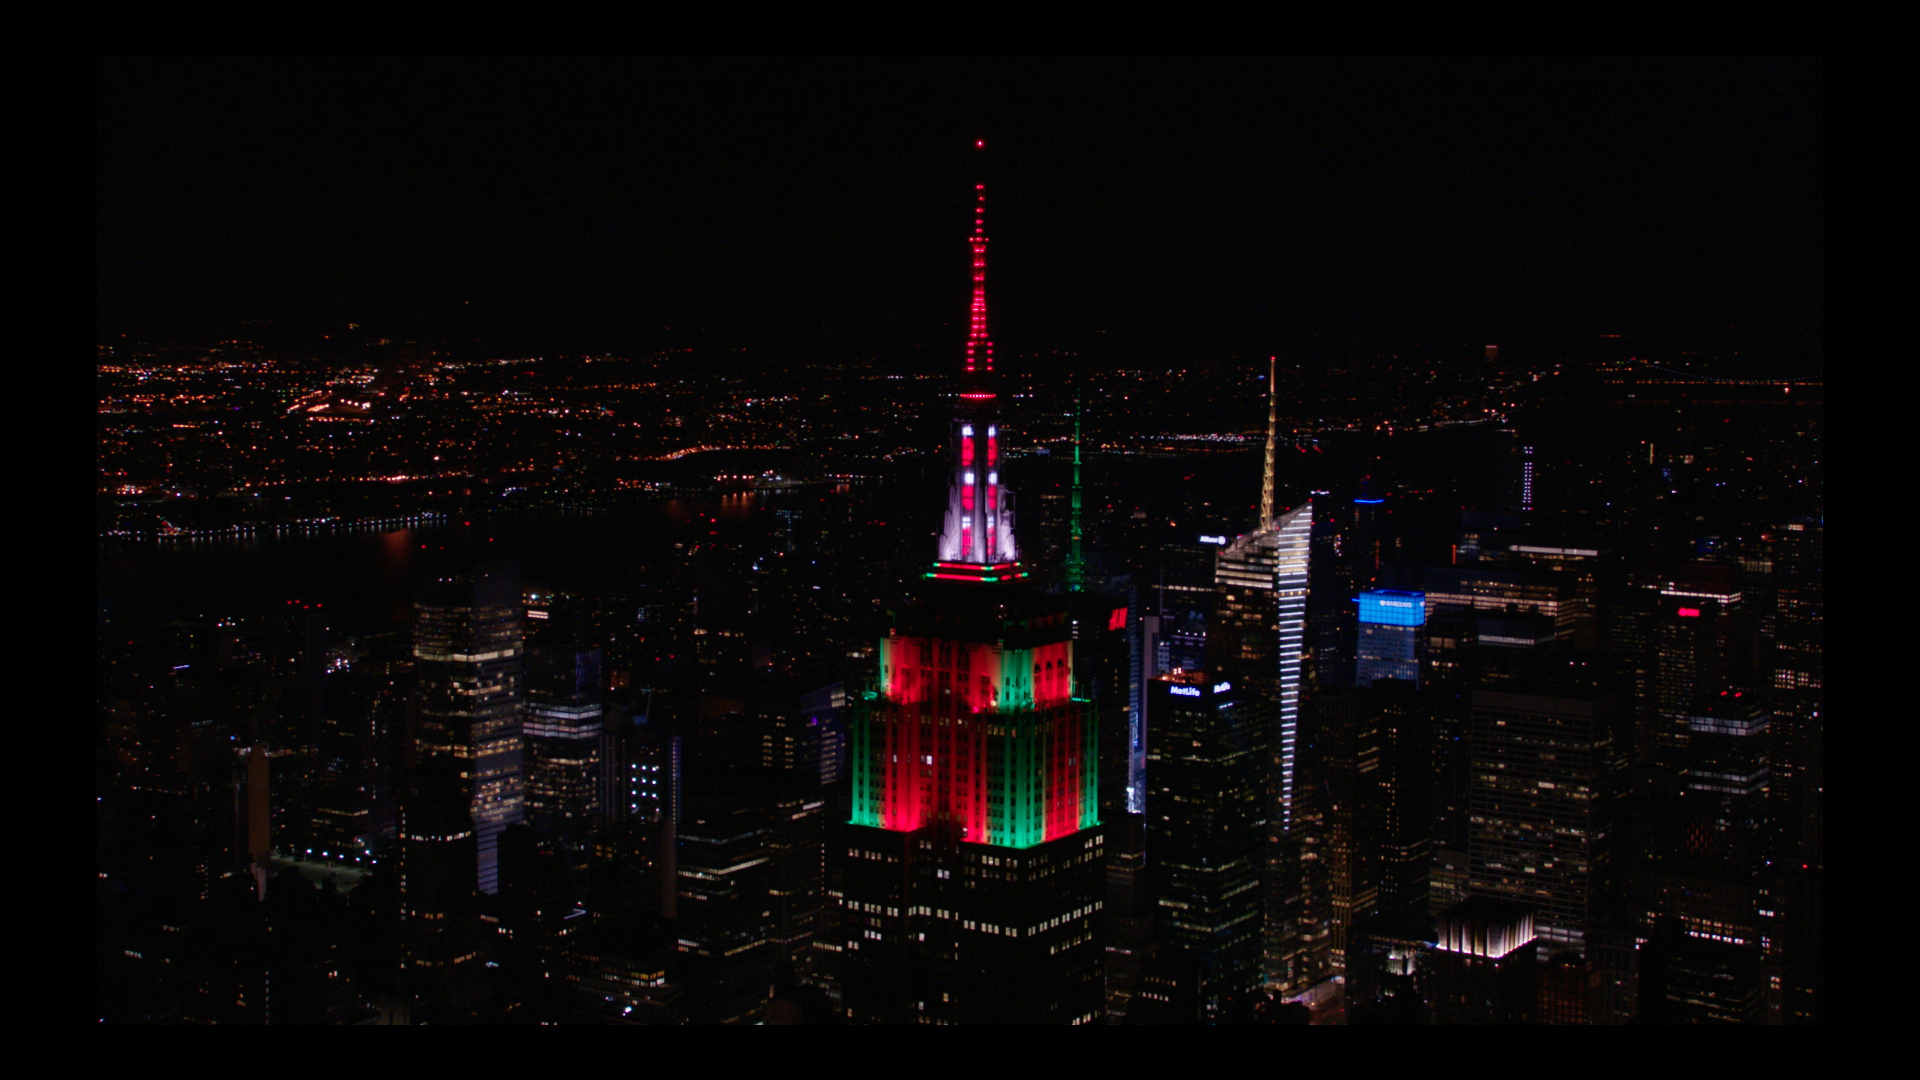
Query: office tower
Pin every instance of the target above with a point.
(253, 814)
(1127, 920)
(1389, 636)
(975, 861)
(1544, 786)
(725, 902)
(1456, 590)
(440, 962)
(1800, 603)
(640, 774)
(563, 734)
(628, 980)
(801, 726)
(1406, 799)
(1581, 561)
(1704, 876)
(726, 634)
(1569, 988)
(1798, 673)
(1103, 669)
(1792, 905)
(635, 849)
(1483, 967)
(1689, 979)
(1384, 956)
(1257, 641)
(1337, 577)
(1296, 932)
(354, 808)
(802, 752)
(1686, 630)
(1351, 741)
(1724, 788)
(1171, 990)
(467, 650)
(1205, 828)
(1376, 839)
(1451, 879)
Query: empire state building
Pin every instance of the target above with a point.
(975, 851)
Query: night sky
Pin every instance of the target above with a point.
(1206, 207)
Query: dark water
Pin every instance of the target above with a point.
(365, 580)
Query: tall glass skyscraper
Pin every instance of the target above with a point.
(1292, 932)
(563, 737)
(1206, 828)
(467, 644)
(1544, 791)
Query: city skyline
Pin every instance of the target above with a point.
(558, 663)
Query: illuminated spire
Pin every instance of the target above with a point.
(979, 345)
(1266, 482)
(977, 541)
(1076, 565)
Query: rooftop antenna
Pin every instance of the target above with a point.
(1266, 482)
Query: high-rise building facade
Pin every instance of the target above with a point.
(439, 938)
(1351, 767)
(975, 855)
(1389, 636)
(1544, 790)
(1799, 580)
(1295, 931)
(563, 735)
(467, 647)
(1206, 828)
(1257, 642)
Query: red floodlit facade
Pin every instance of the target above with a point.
(967, 727)
(984, 737)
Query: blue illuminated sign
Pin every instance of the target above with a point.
(1370, 502)
(1185, 691)
(1391, 607)
(1213, 539)
(1222, 687)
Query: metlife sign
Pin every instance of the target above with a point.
(1194, 691)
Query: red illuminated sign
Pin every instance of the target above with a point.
(1689, 612)
(1118, 620)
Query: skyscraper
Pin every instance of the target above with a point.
(975, 857)
(1544, 787)
(563, 737)
(1294, 934)
(467, 643)
(1389, 639)
(1800, 597)
(439, 939)
(1206, 825)
(1686, 631)
(1351, 742)
(1257, 641)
